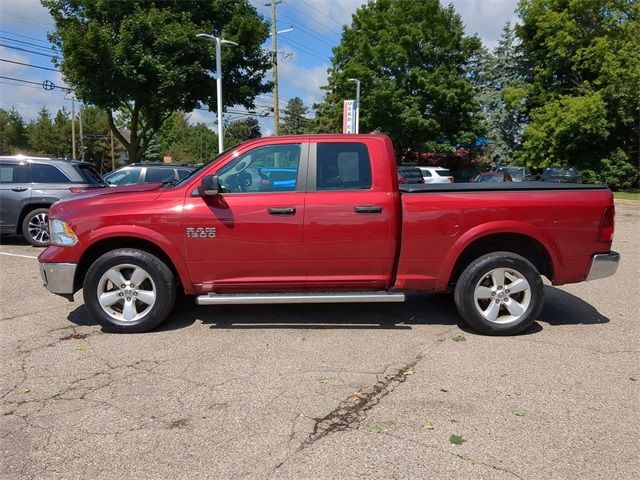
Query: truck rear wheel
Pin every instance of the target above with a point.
(500, 293)
(129, 290)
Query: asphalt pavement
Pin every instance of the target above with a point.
(329, 392)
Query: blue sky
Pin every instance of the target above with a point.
(305, 52)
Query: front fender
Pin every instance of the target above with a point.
(503, 226)
(146, 234)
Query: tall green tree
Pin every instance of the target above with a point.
(13, 132)
(239, 131)
(501, 76)
(47, 136)
(184, 142)
(584, 93)
(295, 119)
(413, 60)
(142, 57)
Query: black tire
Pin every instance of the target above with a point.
(33, 230)
(477, 274)
(159, 278)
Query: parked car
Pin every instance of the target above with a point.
(493, 177)
(148, 173)
(30, 185)
(410, 175)
(344, 232)
(436, 175)
(518, 174)
(561, 175)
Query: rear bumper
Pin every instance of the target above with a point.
(58, 277)
(603, 265)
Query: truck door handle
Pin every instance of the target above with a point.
(19, 189)
(281, 210)
(368, 209)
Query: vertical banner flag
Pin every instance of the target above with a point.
(349, 117)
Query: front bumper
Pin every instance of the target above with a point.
(59, 278)
(603, 265)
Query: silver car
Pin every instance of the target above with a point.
(30, 185)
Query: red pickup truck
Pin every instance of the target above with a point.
(322, 219)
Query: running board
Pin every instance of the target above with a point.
(275, 298)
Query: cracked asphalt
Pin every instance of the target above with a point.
(329, 391)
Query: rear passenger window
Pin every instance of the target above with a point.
(14, 173)
(159, 175)
(342, 166)
(42, 173)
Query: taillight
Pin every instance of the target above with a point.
(402, 180)
(450, 179)
(607, 224)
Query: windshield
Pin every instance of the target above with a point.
(513, 171)
(204, 165)
(90, 175)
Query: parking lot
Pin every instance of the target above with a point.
(329, 391)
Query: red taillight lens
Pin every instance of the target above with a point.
(607, 224)
(402, 180)
(450, 179)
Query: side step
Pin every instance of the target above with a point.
(274, 298)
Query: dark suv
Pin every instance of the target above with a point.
(148, 173)
(30, 185)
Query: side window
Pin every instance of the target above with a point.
(343, 166)
(425, 172)
(14, 173)
(159, 175)
(272, 168)
(43, 173)
(126, 176)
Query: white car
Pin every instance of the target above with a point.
(436, 175)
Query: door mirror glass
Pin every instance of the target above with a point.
(210, 186)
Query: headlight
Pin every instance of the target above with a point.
(61, 234)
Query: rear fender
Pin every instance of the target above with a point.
(505, 226)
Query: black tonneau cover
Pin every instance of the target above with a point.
(490, 187)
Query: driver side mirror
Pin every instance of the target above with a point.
(209, 186)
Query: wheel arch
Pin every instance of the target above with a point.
(154, 244)
(522, 239)
(29, 207)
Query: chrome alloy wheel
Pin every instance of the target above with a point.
(38, 227)
(126, 292)
(502, 296)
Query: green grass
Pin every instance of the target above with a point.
(629, 195)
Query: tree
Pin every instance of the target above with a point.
(295, 119)
(183, 142)
(501, 75)
(241, 130)
(142, 58)
(96, 138)
(50, 137)
(13, 136)
(413, 61)
(583, 97)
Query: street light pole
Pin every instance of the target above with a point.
(73, 125)
(219, 42)
(357, 82)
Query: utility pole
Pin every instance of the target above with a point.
(113, 157)
(274, 62)
(81, 135)
(73, 125)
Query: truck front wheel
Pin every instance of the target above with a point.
(129, 290)
(500, 293)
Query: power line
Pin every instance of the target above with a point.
(312, 19)
(311, 33)
(25, 50)
(29, 65)
(306, 50)
(34, 83)
(26, 19)
(322, 13)
(24, 36)
(21, 85)
(30, 44)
